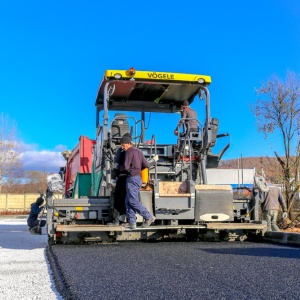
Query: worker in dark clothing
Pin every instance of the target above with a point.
(134, 163)
(188, 118)
(270, 202)
(35, 210)
(119, 174)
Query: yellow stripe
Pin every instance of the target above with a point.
(158, 76)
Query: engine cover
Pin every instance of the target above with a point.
(214, 204)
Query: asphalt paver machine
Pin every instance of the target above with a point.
(175, 190)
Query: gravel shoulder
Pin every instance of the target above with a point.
(25, 272)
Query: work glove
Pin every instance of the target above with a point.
(155, 157)
(152, 160)
(284, 215)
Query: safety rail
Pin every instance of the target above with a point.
(186, 138)
(153, 142)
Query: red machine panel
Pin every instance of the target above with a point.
(80, 161)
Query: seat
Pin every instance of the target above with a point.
(214, 131)
(119, 127)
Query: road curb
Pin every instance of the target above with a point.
(288, 238)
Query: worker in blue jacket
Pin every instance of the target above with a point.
(35, 210)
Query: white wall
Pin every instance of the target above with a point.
(230, 176)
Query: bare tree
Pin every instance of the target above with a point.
(35, 181)
(10, 157)
(268, 165)
(278, 110)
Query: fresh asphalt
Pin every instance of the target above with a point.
(178, 270)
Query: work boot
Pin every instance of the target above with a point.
(34, 230)
(147, 223)
(114, 223)
(129, 225)
(122, 218)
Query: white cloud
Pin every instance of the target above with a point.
(45, 160)
(27, 147)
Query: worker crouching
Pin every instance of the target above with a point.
(33, 223)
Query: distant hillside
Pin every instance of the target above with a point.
(269, 165)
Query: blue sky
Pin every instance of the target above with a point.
(53, 55)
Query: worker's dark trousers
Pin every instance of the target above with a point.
(120, 195)
(133, 205)
(36, 223)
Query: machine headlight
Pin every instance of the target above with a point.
(118, 76)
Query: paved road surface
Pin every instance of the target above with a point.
(179, 270)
